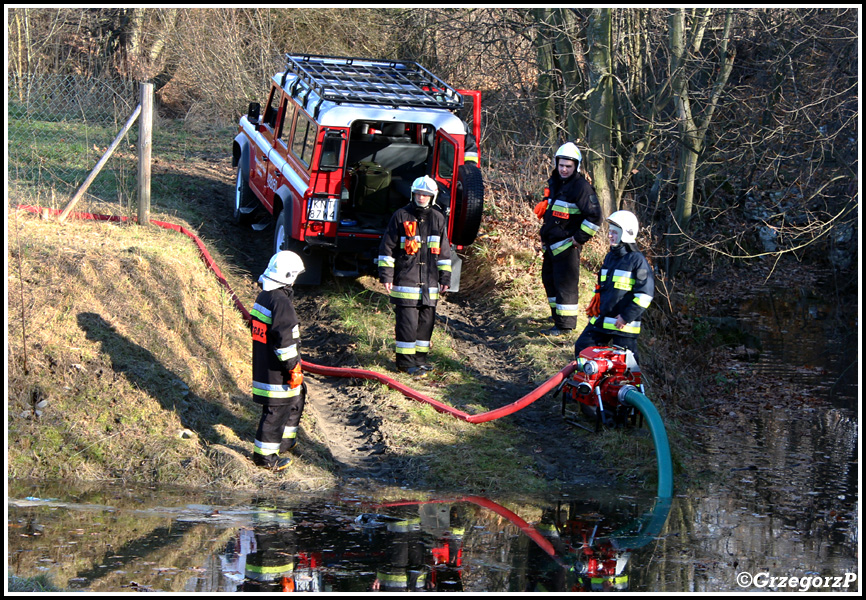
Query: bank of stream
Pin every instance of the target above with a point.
(776, 506)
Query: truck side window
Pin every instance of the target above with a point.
(286, 128)
(304, 139)
(332, 147)
(447, 154)
(271, 111)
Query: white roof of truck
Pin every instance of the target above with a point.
(338, 91)
(331, 114)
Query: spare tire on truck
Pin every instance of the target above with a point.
(468, 204)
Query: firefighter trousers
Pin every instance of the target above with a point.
(278, 428)
(412, 332)
(560, 276)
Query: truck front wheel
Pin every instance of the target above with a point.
(244, 202)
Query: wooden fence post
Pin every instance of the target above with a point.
(145, 128)
(74, 200)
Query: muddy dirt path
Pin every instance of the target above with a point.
(350, 413)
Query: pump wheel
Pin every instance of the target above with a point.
(468, 204)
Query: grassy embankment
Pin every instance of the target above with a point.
(129, 361)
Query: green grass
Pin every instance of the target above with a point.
(40, 583)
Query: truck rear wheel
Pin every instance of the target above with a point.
(468, 204)
(283, 240)
(282, 234)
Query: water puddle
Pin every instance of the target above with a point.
(115, 538)
(799, 337)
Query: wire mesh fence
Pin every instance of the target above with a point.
(59, 126)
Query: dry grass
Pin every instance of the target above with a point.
(126, 360)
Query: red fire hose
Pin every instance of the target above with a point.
(525, 527)
(340, 371)
(414, 395)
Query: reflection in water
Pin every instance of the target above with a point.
(117, 539)
(589, 554)
(348, 544)
(806, 339)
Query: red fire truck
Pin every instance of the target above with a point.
(336, 149)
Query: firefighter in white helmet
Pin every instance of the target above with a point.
(625, 289)
(277, 378)
(571, 217)
(415, 267)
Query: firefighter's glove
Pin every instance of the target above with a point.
(593, 309)
(540, 209)
(296, 377)
(412, 245)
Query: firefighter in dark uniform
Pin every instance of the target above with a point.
(270, 564)
(571, 217)
(415, 266)
(625, 289)
(404, 569)
(277, 378)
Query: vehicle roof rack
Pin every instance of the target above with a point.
(366, 81)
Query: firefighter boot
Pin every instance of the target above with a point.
(290, 439)
(418, 372)
(272, 462)
(288, 444)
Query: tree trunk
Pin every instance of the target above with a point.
(600, 101)
(546, 78)
(572, 81)
(693, 132)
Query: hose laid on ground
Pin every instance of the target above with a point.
(628, 394)
(439, 406)
(338, 371)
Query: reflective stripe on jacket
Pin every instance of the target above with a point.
(626, 288)
(573, 211)
(415, 272)
(276, 346)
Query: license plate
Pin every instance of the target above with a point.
(323, 209)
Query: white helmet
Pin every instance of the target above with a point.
(284, 268)
(569, 151)
(627, 222)
(425, 185)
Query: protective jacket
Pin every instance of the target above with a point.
(415, 256)
(572, 211)
(276, 346)
(626, 288)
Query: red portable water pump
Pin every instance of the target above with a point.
(596, 387)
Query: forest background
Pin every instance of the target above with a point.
(732, 133)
